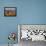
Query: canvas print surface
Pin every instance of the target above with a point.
(33, 32)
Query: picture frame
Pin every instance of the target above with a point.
(10, 11)
(33, 29)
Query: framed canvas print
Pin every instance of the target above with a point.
(10, 11)
(28, 33)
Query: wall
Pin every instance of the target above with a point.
(28, 12)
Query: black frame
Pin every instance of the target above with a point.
(10, 7)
